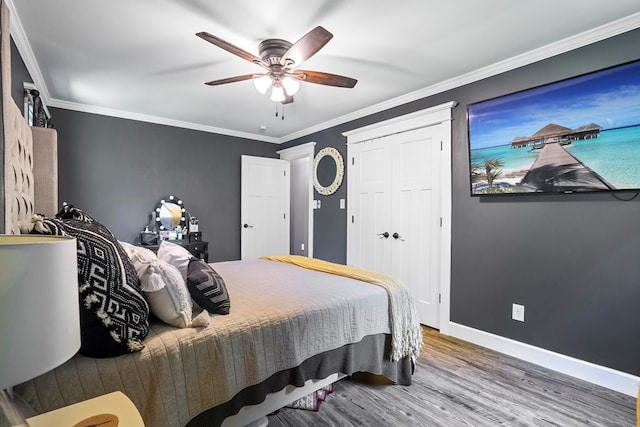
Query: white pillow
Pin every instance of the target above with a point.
(164, 288)
(167, 294)
(140, 258)
(175, 255)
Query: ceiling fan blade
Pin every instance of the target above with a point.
(217, 41)
(306, 47)
(321, 78)
(233, 79)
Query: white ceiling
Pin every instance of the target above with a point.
(141, 59)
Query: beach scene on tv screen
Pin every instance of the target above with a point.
(575, 135)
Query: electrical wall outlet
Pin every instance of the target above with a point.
(517, 312)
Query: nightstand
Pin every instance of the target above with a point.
(116, 403)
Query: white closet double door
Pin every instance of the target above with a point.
(394, 216)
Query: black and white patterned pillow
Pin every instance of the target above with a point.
(207, 288)
(113, 312)
(71, 212)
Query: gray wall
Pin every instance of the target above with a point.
(329, 222)
(19, 75)
(572, 260)
(117, 170)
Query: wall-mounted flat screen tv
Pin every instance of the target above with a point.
(572, 136)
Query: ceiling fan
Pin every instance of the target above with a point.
(280, 59)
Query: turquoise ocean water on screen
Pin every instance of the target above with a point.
(615, 156)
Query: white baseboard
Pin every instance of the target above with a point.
(595, 374)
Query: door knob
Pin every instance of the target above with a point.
(385, 234)
(247, 226)
(397, 237)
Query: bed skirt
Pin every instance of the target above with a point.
(368, 355)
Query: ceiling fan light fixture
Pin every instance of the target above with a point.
(262, 83)
(277, 94)
(280, 59)
(290, 85)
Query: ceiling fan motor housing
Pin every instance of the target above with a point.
(272, 50)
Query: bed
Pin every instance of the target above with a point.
(290, 331)
(287, 326)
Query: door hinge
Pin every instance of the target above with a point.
(440, 222)
(284, 216)
(353, 219)
(441, 146)
(439, 298)
(285, 172)
(353, 161)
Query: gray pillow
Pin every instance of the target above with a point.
(207, 288)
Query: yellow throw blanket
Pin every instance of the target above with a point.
(406, 333)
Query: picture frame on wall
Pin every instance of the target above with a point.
(576, 135)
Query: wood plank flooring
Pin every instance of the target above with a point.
(460, 384)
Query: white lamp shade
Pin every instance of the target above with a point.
(277, 94)
(263, 83)
(39, 313)
(290, 85)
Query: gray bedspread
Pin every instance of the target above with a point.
(280, 316)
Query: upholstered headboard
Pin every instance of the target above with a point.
(30, 181)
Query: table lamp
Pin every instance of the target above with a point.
(39, 313)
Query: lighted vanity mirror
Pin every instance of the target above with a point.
(328, 171)
(170, 213)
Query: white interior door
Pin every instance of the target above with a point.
(369, 174)
(395, 212)
(415, 234)
(420, 180)
(264, 207)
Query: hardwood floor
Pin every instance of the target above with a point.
(460, 384)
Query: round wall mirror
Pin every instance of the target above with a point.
(170, 213)
(328, 171)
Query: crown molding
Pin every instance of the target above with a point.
(591, 36)
(158, 120)
(586, 38)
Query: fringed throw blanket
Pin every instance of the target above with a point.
(405, 327)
